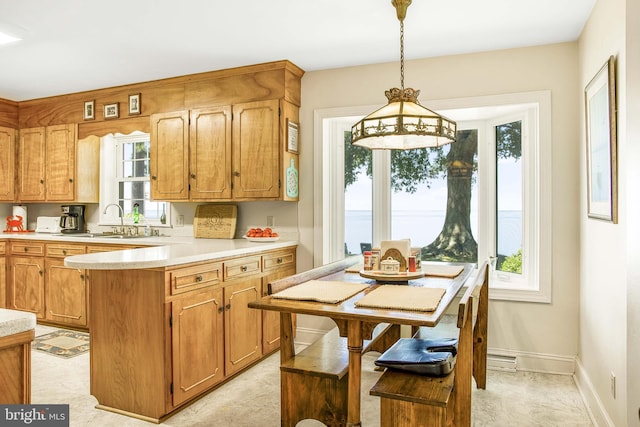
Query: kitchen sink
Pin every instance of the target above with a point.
(106, 235)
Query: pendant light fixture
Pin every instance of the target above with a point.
(403, 123)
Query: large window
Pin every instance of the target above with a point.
(486, 195)
(125, 180)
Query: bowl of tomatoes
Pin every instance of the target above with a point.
(257, 234)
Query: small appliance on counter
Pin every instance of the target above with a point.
(72, 219)
(48, 224)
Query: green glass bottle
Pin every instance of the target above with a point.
(136, 213)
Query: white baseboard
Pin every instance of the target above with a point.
(306, 336)
(512, 360)
(597, 412)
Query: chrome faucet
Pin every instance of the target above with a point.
(121, 213)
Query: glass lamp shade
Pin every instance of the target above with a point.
(403, 124)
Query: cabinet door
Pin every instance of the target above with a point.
(60, 163)
(7, 164)
(65, 294)
(242, 325)
(31, 155)
(27, 284)
(3, 282)
(256, 154)
(169, 153)
(271, 319)
(197, 343)
(210, 154)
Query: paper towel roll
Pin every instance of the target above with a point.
(20, 210)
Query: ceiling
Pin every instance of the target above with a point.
(76, 45)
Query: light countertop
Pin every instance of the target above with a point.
(159, 251)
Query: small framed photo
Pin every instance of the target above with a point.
(111, 111)
(89, 110)
(602, 170)
(292, 137)
(134, 104)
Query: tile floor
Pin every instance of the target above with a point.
(252, 399)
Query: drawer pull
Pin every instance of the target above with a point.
(199, 278)
(243, 268)
(279, 260)
(26, 249)
(64, 252)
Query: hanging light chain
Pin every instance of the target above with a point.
(402, 54)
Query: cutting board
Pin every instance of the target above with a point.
(215, 221)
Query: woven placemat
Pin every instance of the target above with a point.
(321, 291)
(441, 270)
(412, 298)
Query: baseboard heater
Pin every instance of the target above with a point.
(500, 362)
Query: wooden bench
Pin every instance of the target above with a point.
(17, 331)
(314, 382)
(411, 400)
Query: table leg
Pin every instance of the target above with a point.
(354, 344)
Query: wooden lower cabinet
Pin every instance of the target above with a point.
(174, 332)
(3, 276)
(27, 284)
(243, 325)
(276, 265)
(65, 294)
(197, 343)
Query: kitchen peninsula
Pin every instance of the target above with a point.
(169, 323)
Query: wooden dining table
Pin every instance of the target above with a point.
(357, 323)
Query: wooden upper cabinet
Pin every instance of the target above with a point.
(7, 164)
(31, 161)
(256, 150)
(210, 153)
(46, 159)
(60, 163)
(170, 156)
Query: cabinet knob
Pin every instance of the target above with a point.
(42, 181)
(81, 276)
(279, 261)
(64, 252)
(236, 173)
(220, 309)
(154, 177)
(228, 306)
(40, 272)
(193, 176)
(70, 179)
(199, 278)
(243, 268)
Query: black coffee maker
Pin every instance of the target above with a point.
(72, 219)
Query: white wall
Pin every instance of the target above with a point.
(523, 327)
(603, 251)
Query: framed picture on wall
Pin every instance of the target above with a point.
(134, 104)
(602, 173)
(111, 111)
(89, 110)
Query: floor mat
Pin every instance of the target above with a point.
(62, 343)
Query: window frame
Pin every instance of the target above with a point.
(329, 190)
(112, 174)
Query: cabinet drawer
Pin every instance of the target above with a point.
(191, 278)
(278, 260)
(2, 248)
(27, 248)
(57, 250)
(246, 266)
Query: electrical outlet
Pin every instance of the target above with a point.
(613, 385)
(270, 221)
